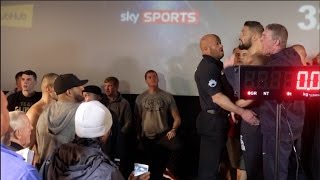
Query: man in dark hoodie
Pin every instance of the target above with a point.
(84, 158)
(56, 123)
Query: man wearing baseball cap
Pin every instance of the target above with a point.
(56, 123)
(91, 93)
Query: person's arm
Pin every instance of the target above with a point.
(137, 120)
(176, 123)
(225, 103)
(243, 103)
(127, 115)
(33, 116)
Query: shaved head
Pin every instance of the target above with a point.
(206, 40)
(210, 45)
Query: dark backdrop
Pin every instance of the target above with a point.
(189, 107)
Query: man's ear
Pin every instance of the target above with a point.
(277, 42)
(17, 134)
(255, 37)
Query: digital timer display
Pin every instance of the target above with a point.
(278, 82)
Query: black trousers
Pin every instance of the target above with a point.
(212, 129)
(156, 156)
(251, 146)
(285, 150)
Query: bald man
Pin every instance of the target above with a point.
(302, 53)
(212, 121)
(12, 164)
(48, 96)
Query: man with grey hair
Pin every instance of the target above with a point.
(274, 40)
(12, 164)
(56, 123)
(21, 130)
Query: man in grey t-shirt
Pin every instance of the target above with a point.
(151, 112)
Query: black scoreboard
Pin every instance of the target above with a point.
(276, 82)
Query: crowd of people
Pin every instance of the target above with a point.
(78, 132)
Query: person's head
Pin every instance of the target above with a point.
(274, 38)
(250, 34)
(151, 78)
(28, 80)
(256, 59)
(21, 128)
(91, 93)
(210, 45)
(93, 120)
(4, 114)
(18, 77)
(69, 87)
(47, 85)
(111, 86)
(240, 56)
(302, 53)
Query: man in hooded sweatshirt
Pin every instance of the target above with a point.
(84, 158)
(56, 123)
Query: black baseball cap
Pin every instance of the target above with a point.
(67, 81)
(93, 89)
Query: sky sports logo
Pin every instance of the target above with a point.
(161, 17)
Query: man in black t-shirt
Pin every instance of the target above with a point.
(212, 121)
(24, 99)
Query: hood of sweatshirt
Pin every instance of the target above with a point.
(60, 115)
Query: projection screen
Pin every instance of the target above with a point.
(97, 39)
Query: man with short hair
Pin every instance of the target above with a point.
(151, 111)
(24, 99)
(122, 131)
(13, 166)
(56, 123)
(250, 135)
(48, 96)
(21, 130)
(250, 37)
(274, 40)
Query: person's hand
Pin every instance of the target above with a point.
(233, 117)
(229, 61)
(171, 134)
(144, 176)
(250, 117)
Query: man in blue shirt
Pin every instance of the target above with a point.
(12, 164)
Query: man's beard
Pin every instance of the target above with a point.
(245, 46)
(78, 98)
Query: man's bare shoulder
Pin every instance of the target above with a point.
(36, 109)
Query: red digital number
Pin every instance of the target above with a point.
(304, 83)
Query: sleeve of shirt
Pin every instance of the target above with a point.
(127, 117)
(11, 102)
(210, 79)
(31, 174)
(172, 104)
